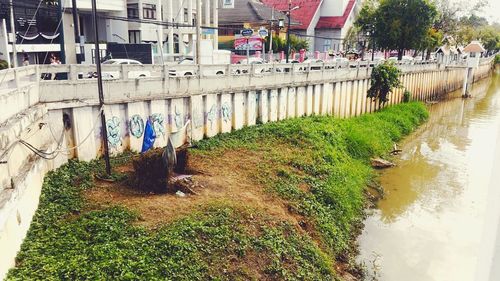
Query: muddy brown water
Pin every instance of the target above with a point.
(439, 218)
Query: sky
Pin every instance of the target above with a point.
(490, 12)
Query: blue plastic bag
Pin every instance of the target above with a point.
(149, 137)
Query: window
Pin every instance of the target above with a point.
(149, 11)
(134, 36)
(133, 11)
(327, 45)
(185, 15)
(194, 19)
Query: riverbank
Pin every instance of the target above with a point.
(277, 201)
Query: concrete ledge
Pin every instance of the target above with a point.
(25, 125)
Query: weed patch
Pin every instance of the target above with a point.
(317, 166)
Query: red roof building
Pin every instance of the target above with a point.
(324, 22)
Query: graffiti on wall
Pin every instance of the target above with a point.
(158, 121)
(212, 115)
(136, 126)
(226, 112)
(113, 127)
(178, 118)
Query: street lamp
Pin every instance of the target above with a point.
(369, 35)
(290, 9)
(281, 23)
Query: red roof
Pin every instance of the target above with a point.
(304, 14)
(336, 22)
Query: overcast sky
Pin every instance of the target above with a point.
(491, 12)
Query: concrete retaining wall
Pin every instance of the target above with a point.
(208, 114)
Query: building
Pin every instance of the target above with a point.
(38, 28)
(449, 52)
(173, 23)
(250, 14)
(324, 22)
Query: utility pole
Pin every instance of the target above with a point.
(74, 11)
(373, 50)
(100, 89)
(287, 30)
(61, 32)
(271, 34)
(13, 31)
(198, 31)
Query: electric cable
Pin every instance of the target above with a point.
(55, 151)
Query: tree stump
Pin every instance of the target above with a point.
(150, 172)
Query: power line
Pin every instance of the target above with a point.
(319, 37)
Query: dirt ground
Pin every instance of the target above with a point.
(228, 177)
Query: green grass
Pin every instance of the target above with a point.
(223, 241)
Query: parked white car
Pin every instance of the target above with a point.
(261, 68)
(131, 74)
(315, 63)
(377, 60)
(403, 59)
(182, 71)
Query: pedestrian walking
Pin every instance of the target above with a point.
(26, 59)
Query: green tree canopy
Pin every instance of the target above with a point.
(366, 18)
(432, 40)
(296, 44)
(403, 24)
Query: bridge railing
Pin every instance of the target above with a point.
(125, 72)
(18, 86)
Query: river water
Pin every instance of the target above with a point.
(439, 218)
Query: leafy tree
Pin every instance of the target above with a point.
(296, 44)
(433, 39)
(384, 78)
(365, 22)
(366, 17)
(403, 24)
(351, 38)
(448, 16)
(490, 38)
(465, 34)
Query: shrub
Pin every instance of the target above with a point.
(384, 78)
(406, 96)
(3, 65)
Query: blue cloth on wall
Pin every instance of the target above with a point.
(149, 137)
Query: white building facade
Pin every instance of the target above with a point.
(171, 22)
(325, 23)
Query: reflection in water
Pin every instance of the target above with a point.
(429, 225)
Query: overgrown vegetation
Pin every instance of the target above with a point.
(406, 96)
(384, 78)
(319, 166)
(279, 44)
(3, 65)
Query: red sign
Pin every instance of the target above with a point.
(255, 42)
